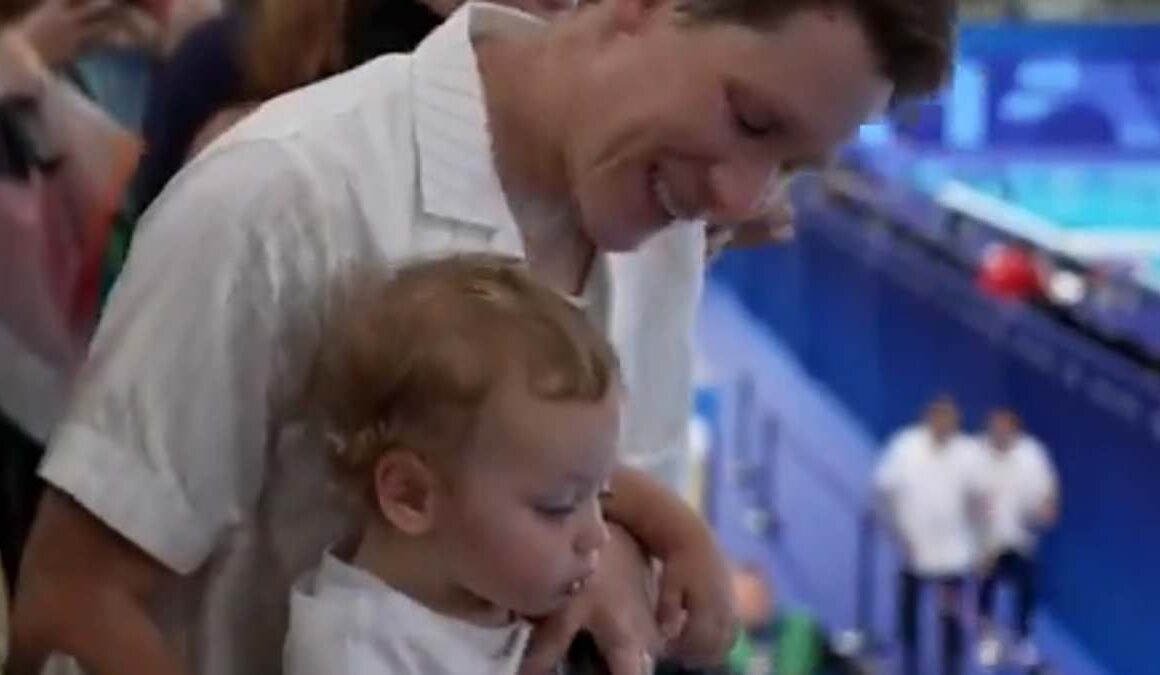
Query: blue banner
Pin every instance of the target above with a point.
(1029, 87)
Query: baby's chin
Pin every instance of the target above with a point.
(550, 603)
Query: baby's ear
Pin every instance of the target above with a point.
(405, 492)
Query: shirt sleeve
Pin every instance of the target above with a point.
(166, 438)
(655, 292)
(888, 472)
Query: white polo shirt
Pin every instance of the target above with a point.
(1018, 483)
(185, 433)
(930, 491)
(344, 621)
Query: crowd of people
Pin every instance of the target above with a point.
(964, 508)
(294, 312)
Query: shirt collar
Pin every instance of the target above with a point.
(387, 605)
(457, 174)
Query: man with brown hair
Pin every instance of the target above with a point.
(1022, 493)
(929, 486)
(184, 461)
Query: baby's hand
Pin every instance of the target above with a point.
(695, 609)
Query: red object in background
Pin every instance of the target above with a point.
(1010, 273)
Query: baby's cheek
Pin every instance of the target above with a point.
(537, 559)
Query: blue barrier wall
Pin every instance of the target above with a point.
(789, 473)
(884, 327)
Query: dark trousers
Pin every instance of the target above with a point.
(1018, 570)
(20, 490)
(950, 611)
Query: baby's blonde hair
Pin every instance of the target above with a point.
(407, 360)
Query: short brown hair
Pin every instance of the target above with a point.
(913, 39)
(290, 44)
(407, 361)
(13, 10)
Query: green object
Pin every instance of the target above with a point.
(795, 646)
(799, 645)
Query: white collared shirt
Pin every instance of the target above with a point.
(344, 621)
(184, 434)
(1018, 484)
(932, 491)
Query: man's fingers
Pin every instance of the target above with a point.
(549, 643)
(629, 661)
(671, 613)
(774, 227)
(672, 628)
(671, 602)
(623, 639)
(708, 635)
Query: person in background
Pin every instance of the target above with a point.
(927, 487)
(60, 31)
(231, 63)
(1022, 501)
(776, 640)
(185, 470)
(38, 38)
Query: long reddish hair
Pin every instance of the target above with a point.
(291, 43)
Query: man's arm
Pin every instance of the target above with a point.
(85, 591)
(660, 520)
(695, 605)
(1049, 510)
(884, 487)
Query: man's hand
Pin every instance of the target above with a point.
(775, 227)
(616, 607)
(1047, 514)
(696, 608)
(85, 591)
(61, 30)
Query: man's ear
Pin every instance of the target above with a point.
(405, 492)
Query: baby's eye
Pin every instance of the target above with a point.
(555, 511)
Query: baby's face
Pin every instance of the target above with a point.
(523, 526)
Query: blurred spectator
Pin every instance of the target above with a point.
(927, 485)
(233, 61)
(59, 31)
(776, 639)
(1022, 498)
(60, 158)
(230, 63)
(182, 16)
